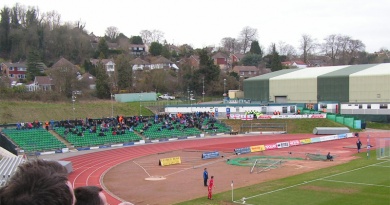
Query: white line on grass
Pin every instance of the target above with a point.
(329, 180)
(382, 166)
(306, 182)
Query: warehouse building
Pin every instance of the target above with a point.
(368, 83)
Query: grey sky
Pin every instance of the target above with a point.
(205, 22)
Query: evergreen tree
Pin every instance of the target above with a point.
(155, 48)
(251, 59)
(102, 86)
(125, 73)
(5, 42)
(136, 40)
(276, 63)
(34, 65)
(102, 48)
(207, 69)
(255, 48)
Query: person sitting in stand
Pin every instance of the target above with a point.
(102, 134)
(80, 134)
(329, 157)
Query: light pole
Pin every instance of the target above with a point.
(224, 87)
(188, 92)
(112, 105)
(203, 90)
(191, 100)
(140, 105)
(73, 101)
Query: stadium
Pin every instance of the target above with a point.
(132, 166)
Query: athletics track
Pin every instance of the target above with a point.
(89, 169)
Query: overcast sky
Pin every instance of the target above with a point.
(203, 23)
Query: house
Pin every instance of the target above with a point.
(139, 64)
(160, 62)
(64, 64)
(294, 64)
(108, 64)
(137, 50)
(41, 83)
(14, 71)
(113, 46)
(246, 71)
(221, 60)
(193, 61)
(89, 79)
(235, 58)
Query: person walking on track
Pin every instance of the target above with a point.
(359, 145)
(205, 177)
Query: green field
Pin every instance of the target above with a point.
(361, 181)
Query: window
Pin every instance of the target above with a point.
(360, 106)
(21, 76)
(383, 106)
(369, 106)
(284, 109)
(11, 75)
(292, 109)
(324, 106)
(11, 68)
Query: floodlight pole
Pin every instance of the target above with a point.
(203, 90)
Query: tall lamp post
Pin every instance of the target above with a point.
(224, 87)
(112, 105)
(140, 105)
(203, 90)
(73, 101)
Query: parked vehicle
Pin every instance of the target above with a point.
(166, 97)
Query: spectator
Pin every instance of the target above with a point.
(90, 195)
(329, 157)
(38, 182)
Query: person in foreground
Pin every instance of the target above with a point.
(38, 182)
(210, 188)
(90, 195)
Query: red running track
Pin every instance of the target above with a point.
(88, 169)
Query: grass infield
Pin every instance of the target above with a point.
(361, 181)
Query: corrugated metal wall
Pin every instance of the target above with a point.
(371, 84)
(334, 86)
(356, 83)
(258, 88)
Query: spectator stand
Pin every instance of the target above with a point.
(32, 140)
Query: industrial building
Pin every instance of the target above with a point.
(369, 83)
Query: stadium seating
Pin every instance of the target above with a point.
(8, 166)
(93, 139)
(31, 140)
(220, 127)
(155, 131)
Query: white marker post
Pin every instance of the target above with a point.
(232, 189)
(368, 146)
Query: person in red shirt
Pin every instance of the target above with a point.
(210, 188)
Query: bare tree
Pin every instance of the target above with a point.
(112, 32)
(230, 44)
(308, 46)
(146, 36)
(157, 35)
(246, 37)
(286, 50)
(332, 47)
(52, 19)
